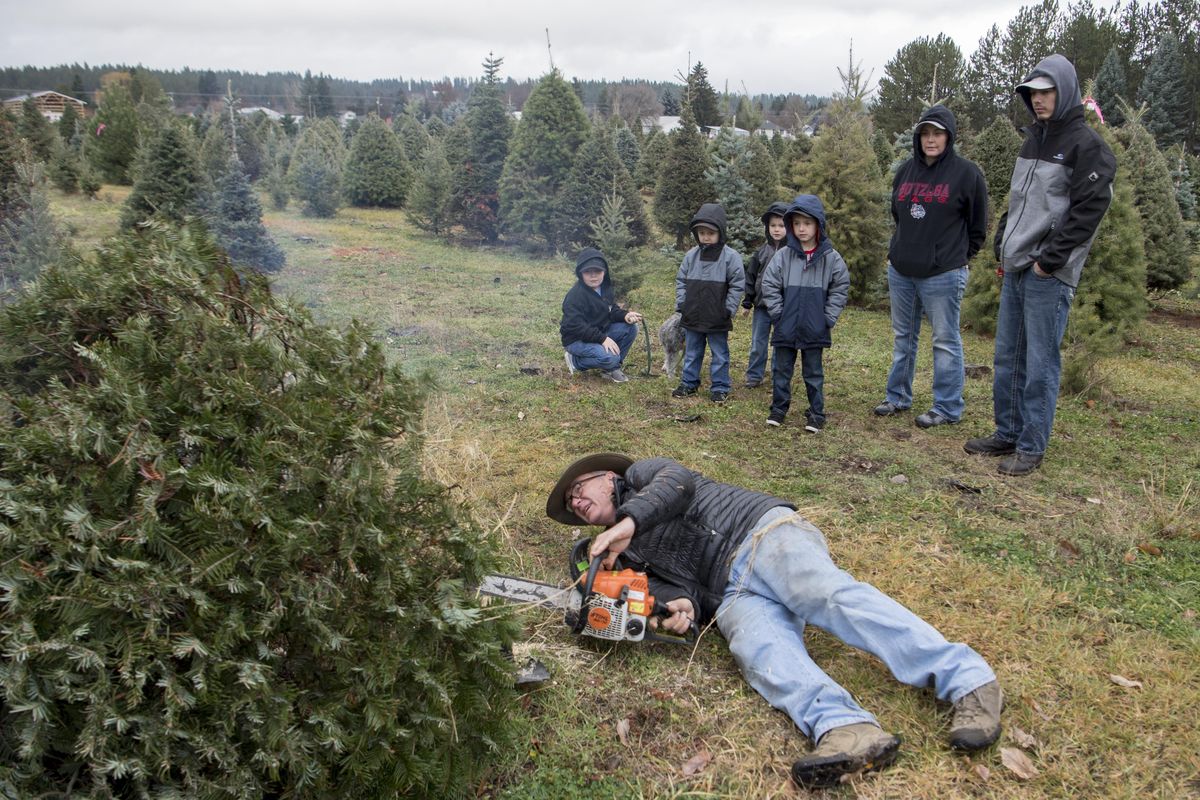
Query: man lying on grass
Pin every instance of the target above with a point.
(751, 563)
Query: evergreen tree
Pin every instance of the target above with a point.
(323, 100)
(763, 176)
(596, 173)
(1165, 241)
(627, 148)
(315, 169)
(728, 166)
(843, 171)
(706, 106)
(670, 104)
(881, 143)
(995, 151)
(429, 203)
(170, 184)
(413, 136)
(1110, 87)
(1165, 94)
(654, 152)
(30, 239)
(216, 149)
(34, 128)
(68, 124)
(238, 226)
(489, 128)
(749, 116)
(436, 128)
(682, 187)
(64, 169)
(13, 151)
(113, 136)
(610, 233)
(277, 184)
(377, 171)
(553, 126)
(242, 584)
(925, 71)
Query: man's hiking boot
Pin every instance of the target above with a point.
(683, 391)
(845, 750)
(976, 722)
(888, 409)
(570, 362)
(931, 419)
(1019, 464)
(989, 446)
(616, 376)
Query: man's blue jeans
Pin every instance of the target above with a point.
(1028, 364)
(693, 359)
(938, 298)
(760, 343)
(782, 579)
(589, 355)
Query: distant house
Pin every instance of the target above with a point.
(269, 112)
(664, 124)
(347, 117)
(51, 104)
(769, 129)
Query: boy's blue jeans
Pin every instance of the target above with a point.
(783, 579)
(1029, 331)
(589, 355)
(938, 298)
(783, 366)
(760, 342)
(693, 359)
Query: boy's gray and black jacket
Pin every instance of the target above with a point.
(1061, 185)
(688, 529)
(762, 256)
(707, 293)
(805, 296)
(586, 315)
(940, 209)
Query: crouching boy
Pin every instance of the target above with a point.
(596, 333)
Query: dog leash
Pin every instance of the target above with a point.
(646, 336)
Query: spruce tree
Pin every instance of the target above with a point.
(596, 173)
(654, 152)
(627, 148)
(541, 152)
(610, 233)
(843, 171)
(1168, 263)
(68, 124)
(682, 187)
(377, 170)
(170, 184)
(706, 106)
(763, 176)
(30, 239)
(413, 136)
(235, 579)
(430, 202)
(113, 135)
(64, 169)
(1165, 93)
(216, 149)
(1111, 87)
(728, 166)
(315, 168)
(489, 128)
(238, 226)
(34, 128)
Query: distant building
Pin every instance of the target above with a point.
(347, 117)
(269, 112)
(51, 104)
(664, 124)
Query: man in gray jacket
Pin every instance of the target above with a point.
(1061, 189)
(752, 564)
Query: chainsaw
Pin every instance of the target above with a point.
(605, 604)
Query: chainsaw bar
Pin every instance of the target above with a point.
(523, 590)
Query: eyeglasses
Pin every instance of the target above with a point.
(574, 492)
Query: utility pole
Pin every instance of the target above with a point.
(549, 51)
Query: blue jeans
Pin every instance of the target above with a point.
(783, 366)
(782, 579)
(760, 342)
(1029, 331)
(937, 298)
(589, 355)
(693, 359)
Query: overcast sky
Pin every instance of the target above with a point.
(771, 47)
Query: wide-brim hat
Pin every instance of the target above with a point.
(556, 505)
(1040, 82)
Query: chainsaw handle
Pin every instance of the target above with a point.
(661, 610)
(588, 583)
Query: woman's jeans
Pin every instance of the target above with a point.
(938, 298)
(590, 355)
(693, 359)
(783, 579)
(1029, 331)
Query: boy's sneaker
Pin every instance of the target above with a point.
(570, 362)
(752, 384)
(616, 376)
(775, 419)
(845, 750)
(931, 419)
(813, 424)
(989, 446)
(683, 391)
(888, 409)
(718, 397)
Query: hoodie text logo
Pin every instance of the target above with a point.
(925, 192)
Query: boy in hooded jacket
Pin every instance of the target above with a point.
(708, 289)
(596, 333)
(805, 287)
(760, 326)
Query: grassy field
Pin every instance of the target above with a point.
(1080, 584)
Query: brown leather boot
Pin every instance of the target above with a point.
(845, 750)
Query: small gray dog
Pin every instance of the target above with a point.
(670, 336)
